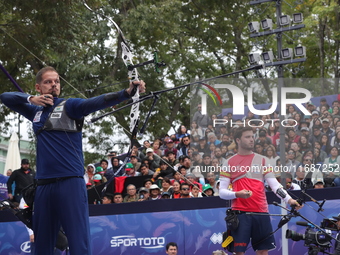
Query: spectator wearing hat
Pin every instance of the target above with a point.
(98, 179)
(132, 195)
(143, 194)
(310, 106)
(308, 119)
(22, 177)
(130, 170)
(208, 191)
(100, 171)
(117, 198)
(318, 183)
(304, 131)
(153, 158)
(170, 146)
(165, 195)
(89, 173)
(315, 115)
(185, 190)
(263, 138)
(326, 129)
(155, 192)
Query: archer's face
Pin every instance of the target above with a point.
(246, 141)
(50, 84)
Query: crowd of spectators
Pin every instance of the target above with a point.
(187, 164)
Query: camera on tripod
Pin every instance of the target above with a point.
(316, 240)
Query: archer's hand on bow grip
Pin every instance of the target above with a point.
(136, 85)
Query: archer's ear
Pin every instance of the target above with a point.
(37, 87)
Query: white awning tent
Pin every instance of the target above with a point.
(13, 159)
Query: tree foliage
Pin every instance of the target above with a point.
(195, 38)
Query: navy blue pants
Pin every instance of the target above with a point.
(63, 203)
(254, 228)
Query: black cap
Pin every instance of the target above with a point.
(24, 161)
(337, 217)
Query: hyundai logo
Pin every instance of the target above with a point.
(26, 247)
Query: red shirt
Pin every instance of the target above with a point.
(247, 172)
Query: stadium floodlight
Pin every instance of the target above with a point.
(254, 26)
(268, 56)
(267, 24)
(254, 58)
(297, 17)
(287, 53)
(285, 20)
(300, 51)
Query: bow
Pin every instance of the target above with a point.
(11, 78)
(133, 76)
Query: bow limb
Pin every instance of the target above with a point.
(11, 78)
(133, 76)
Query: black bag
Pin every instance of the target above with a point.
(28, 193)
(231, 220)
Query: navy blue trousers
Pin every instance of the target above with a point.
(63, 203)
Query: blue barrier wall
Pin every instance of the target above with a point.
(195, 224)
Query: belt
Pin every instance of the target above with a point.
(238, 211)
(41, 182)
